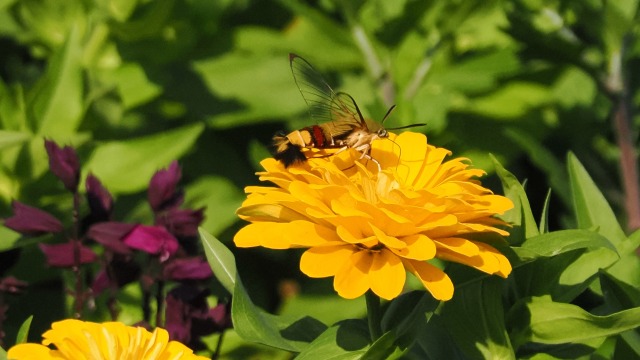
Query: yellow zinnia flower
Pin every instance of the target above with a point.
(83, 340)
(366, 227)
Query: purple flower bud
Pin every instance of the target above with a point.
(154, 240)
(111, 235)
(194, 268)
(181, 222)
(31, 221)
(99, 200)
(64, 164)
(62, 255)
(162, 192)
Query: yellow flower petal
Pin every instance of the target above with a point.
(351, 281)
(80, 340)
(458, 245)
(387, 274)
(30, 352)
(433, 279)
(418, 247)
(319, 262)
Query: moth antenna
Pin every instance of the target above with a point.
(387, 114)
(407, 126)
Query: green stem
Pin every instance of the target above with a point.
(374, 315)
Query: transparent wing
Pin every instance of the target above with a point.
(338, 110)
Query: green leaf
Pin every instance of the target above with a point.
(23, 332)
(347, 340)
(383, 348)
(542, 321)
(220, 197)
(127, 166)
(572, 259)
(10, 239)
(620, 296)
(250, 322)
(521, 217)
(562, 241)
(255, 325)
(133, 85)
(406, 313)
(544, 217)
(12, 107)
(591, 208)
(3, 354)
(474, 319)
(56, 101)
(220, 259)
(12, 138)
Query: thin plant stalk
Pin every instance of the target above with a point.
(374, 315)
(75, 231)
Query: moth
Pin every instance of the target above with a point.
(339, 122)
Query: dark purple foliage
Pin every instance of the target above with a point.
(181, 222)
(155, 240)
(31, 221)
(62, 255)
(99, 200)
(111, 235)
(162, 192)
(188, 316)
(194, 268)
(64, 164)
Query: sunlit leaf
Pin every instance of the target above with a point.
(474, 319)
(127, 166)
(347, 340)
(220, 259)
(23, 332)
(543, 321)
(520, 216)
(56, 102)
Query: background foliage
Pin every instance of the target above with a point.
(136, 84)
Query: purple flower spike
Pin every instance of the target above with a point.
(62, 255)
(31, 221)
(182, 222)
(154, 240)
(99, 199)
(111, 235)
(194, 268)
(162, 188)
(64, 164)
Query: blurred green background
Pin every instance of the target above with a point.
(135, 84)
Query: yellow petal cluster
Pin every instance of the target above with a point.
(81, 340)
(367, 227)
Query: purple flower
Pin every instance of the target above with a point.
(181, 222)
(194, 268)
(154, 240)
(99, 200)
(62, 255)
(111, 235)
(31, 221)
(188, 316)
(162, 192)
(64, 164)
